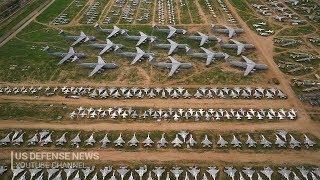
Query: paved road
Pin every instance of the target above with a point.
(24, 22)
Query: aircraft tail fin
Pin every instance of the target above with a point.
(189, 50)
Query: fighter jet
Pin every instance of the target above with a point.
(293, 142)
(248, 171)
(194, 171)
(264, 142)
(142, 38)
(221, 142)
(112, 32)
(3, 169)
(87, 171)
(284, 172)
(122, 171)
(133, 141)
(250, 142)
(140, 54)
(267, 171)
(77, 39)
(106, 47)
(206, 142)
(71, 54)
(213, 171)
(105, 141)
(249, 65)
(105, 171)
(162, 142)
(235, 142)
(62, 140)
(279, 141)
(307, 142)
(172, 46)
(176, 142)
(208, 55)
(172, 31)
(99, 66)
(228, 30)
(90, 141)
(6, 140)
(239, 46)
(203, 38)
(148, 141)
(158, 171)
(176, 171)
(174, 65)
(119, 141)
(231, 172)
(141, 171)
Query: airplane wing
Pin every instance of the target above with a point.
(203, 40)
(106, 48)
(96, 69)
(80, 38)
(209, 59)
(231, 32)
(174, 67)
(173, 46)
(114, 31)
(68, 56)
(141, 40)
(250, 65)
(138, 56)
(240, 49)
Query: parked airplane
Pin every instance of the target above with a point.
(174, 65)
(142, 38)
(228, 30)
(203, 38)
(240, 47)
(249, 65)
(172, 31)
(71, 54)
(109, 46)
(173, 46)
(140, 54)
(208, 55)
(99, 66)
(112, 32)
(77, 39)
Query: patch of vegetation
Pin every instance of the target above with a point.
(53, 11)
(24, 12)
(296, 31)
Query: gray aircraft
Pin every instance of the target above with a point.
(71, 54)
(203, 38)
(174, 65)
(227, 30)
(3, 169)
(267, 171)
(231, 172)
(172, 31)
(142, 38)
(249, 65)
(240, 47)
(141, 171)
(77, 39)
(172, 46)
(109, 46)
(99, 66)
(140, 54)
(213, 171)
(112, 32)
(208, 55)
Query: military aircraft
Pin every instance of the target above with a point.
(172, 46)
(172, 31)
(227, 30)
(249, 65)
(99, 66)
(109, 46)
(134, 141)
(267, 171)
(77, 39)
(213, 171)
(240, 47)
(142, 38)
(208, 55)
(174, 65)
(140, 54)
(112, 32)
(203, 38)
(71, 54)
